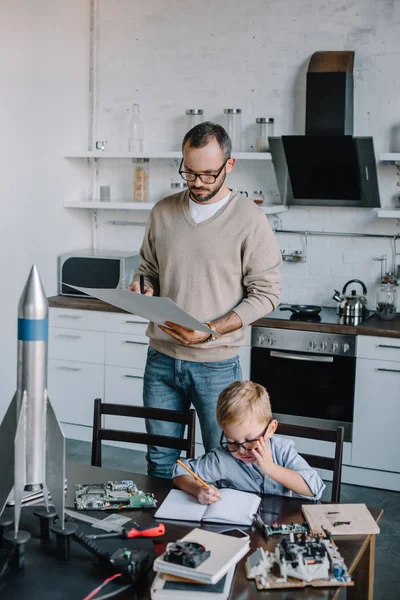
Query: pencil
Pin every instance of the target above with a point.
(193, 474)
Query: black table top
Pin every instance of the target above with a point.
(47, 576)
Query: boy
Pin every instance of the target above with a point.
(250, 458)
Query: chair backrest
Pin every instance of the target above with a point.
(321, 462)
(100, 433)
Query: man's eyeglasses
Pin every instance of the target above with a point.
(247, 445)
(204, 177)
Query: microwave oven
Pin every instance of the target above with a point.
(111, 269)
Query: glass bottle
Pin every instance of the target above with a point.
(194, 117)
(265, 129)
(386, 302)
(233, 126)
(140, 179)
(258, 197)
(136, 130)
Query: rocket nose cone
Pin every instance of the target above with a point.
(33, 302)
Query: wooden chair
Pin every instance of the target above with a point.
(321, 462)
(122, 410)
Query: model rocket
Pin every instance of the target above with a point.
(32, 445)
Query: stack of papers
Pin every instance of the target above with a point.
(212, 577)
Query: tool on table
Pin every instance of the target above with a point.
(193, 474)
(142, 284)
(136, 531)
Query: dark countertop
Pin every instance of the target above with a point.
(372, 326)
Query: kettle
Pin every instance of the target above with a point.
(354, 305)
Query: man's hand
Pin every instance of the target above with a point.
(263, 455)
(183, 335)
(208, 495)
(135, 287)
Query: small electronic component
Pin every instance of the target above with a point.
(113, 495)
(188, 554)
(281, 529)
(297, 561)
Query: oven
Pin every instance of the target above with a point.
(310, 376)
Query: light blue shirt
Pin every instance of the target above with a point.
(221, 467)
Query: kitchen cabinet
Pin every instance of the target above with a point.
(376, 404)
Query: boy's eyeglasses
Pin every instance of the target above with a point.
(204, 177)
(247, 445)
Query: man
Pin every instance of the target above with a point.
(212, 252)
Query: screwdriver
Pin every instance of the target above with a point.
(132, 533)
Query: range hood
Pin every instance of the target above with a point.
(327, 166)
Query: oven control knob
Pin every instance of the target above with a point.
(313, 345)
(271, 340)
(335, 347)
(345, 347)
(324, 345)
(261, 339)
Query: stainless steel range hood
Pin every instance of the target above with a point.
(327, 166)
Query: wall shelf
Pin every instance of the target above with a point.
(391, 157)
(269, 209)
(388, 213)
(158, 154)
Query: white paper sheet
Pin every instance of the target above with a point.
(156, 309)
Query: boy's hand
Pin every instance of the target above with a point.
(208, 495)
(263, 455)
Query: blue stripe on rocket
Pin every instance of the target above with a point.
(33, 330)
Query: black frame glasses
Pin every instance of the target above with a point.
(204, 177)
(225, 445)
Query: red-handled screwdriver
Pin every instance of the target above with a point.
(132, 533)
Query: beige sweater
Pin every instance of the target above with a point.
(228, 262)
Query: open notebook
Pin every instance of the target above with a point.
(235, 507)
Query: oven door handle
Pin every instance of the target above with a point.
(309, 357)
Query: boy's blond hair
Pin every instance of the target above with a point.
(241, 399)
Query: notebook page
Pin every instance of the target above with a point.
(235, 507)
(181, 506)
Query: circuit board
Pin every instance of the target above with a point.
(284, 529)
(297, 561)
(113, 495)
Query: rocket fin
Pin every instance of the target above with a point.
(19, 461)
(55, 462)
(7, 433)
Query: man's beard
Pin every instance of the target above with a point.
(205, 197)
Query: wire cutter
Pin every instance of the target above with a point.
(136, 531)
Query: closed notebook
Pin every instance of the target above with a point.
(225, 552)
(163, 589)
(235, 507)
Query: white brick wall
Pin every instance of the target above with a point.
(254, 55)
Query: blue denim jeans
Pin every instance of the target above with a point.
(175, 385)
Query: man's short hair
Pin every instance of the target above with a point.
(200, 135)
(241, 399)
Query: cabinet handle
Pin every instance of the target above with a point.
(69, 316)
(134, 342)
(68, 335)
(388, 346)
(69, 368)
(309, 357)
(134, 322)
(389, 370)
(134, 376)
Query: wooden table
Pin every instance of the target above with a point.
(47, 578)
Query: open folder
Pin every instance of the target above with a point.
(155, 309)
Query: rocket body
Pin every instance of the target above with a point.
(32, 445)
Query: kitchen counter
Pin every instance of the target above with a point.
(372, 326)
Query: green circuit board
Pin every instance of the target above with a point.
(113, 495)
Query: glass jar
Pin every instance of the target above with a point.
(233, 126)
(265, 129)
(386, 302)
(194, 117)
(140, 179)
(136, 130)
(178, 186)
(242, 192)
(258, 197)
